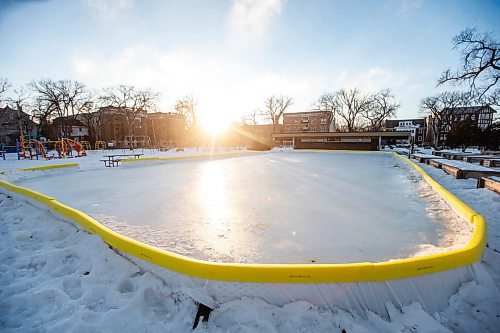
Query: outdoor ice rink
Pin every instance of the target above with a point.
(281, 207)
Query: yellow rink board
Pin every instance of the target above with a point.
(286, 273)
(47, 167)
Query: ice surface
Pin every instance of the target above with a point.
(295, 207)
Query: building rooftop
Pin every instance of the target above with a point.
(470, 109)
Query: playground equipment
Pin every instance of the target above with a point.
(86, 145)
(65, 148)
(29, 147)
(137, 141)
(100, 145)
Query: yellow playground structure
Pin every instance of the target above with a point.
(86, 145)
(101, 145)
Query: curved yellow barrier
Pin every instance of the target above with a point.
(53, 166)
(286, 273)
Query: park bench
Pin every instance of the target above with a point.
(435, 163)
(424, 158)
(491, 162)
(461, 170)
(491, 183)
(476, 158)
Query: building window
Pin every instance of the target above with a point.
(297, 129)
(323, 121)
(296, 121)
(288, 122)
(305, 119)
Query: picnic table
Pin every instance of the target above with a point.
(113, 160)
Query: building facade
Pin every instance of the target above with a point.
(339, 140)
(481, 116)
(416, 127)
(12, 123)
(119, 127)
(165, 129)
(65, 127)
(308, 122)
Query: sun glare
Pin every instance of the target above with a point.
(215, 124)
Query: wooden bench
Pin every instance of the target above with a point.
(491, 162)
(475, 158)
(463, 170)
(438, 152)
(435, 163)
(423, 158)
(495, 153)
(489, 183)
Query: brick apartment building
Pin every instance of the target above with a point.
(11, 122)
(165, 129)
(110, 124)
(66, 127)
(308, 122)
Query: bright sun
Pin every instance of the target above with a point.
(215, 124)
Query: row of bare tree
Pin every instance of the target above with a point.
(352, 109)
(47, 99)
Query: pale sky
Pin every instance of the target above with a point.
(231, 55)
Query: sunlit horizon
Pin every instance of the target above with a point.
(232, 55)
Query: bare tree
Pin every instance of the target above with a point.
(20, 101)
(91, 116)
(4, 85)
(63, 98)
(381, 106)
(326, 102)
(275, 106)
(439, 108)
(480, 57)
(130, 101)
(186, 106)
(250, 118)
(349, 105)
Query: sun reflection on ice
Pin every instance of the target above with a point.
(219, 229)
(213, 196)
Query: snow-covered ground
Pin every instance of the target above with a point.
(56, 278)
